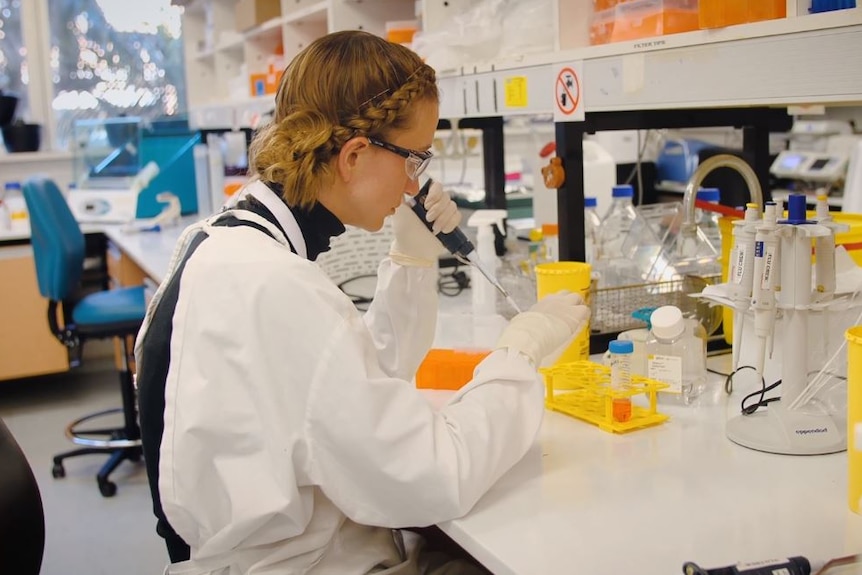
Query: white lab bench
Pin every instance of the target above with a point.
(587, 501)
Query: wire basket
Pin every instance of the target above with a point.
(612, 308)
(589, 396)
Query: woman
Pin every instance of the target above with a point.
(280, 428)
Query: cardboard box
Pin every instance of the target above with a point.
(266, 83)
(251, 13)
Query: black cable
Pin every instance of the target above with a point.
(762, 402)
(452, 284)
(728, 382)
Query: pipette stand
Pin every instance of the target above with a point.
(807, 429)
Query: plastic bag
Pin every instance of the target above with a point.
(471, 36)
(525, 28)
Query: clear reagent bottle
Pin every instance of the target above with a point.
(676, 355)
(617, 222)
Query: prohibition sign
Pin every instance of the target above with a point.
(568, 92)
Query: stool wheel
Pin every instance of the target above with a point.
(58, 471)
(107, 488)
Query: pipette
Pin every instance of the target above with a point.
(741, 272)
(766, 258)
(457, 243)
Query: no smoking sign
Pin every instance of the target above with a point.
(568, 93)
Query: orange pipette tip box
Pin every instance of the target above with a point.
(448, 368)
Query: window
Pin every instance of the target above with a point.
(13, 55)
(114, 57)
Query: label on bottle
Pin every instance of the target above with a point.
(667, 369)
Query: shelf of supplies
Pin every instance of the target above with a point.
(314, 13)
(270, 28)
(799, 60)
(231, 113)
(206, 54)
(234, 42)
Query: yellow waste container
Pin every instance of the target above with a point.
(553, 277)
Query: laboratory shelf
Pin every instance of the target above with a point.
(798, 60)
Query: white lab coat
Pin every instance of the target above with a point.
(294, 439)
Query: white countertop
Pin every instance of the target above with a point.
(587, 501)
(152, 251)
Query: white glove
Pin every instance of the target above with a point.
(414, 244)
(546, 329)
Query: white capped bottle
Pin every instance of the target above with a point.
(676, 355)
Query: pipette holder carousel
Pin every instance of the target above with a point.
(792, 425)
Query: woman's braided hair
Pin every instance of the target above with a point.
(342, 85)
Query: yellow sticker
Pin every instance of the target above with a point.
(516, 92)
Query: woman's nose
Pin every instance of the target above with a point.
(412, 187)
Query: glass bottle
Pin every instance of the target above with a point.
(617, 222)
(614, 266)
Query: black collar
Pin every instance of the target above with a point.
(317, 224)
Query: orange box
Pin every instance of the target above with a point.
(401, 31)
(601, 26)
(448, 368)
(766, 10)
(599, 5)
(721, 13)
(265, 83)
(647, 18)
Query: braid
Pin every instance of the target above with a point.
(295, 152)
(391, 111)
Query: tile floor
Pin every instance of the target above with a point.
(86, 534)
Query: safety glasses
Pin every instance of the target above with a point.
(415, 162)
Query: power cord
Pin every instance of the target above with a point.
(449, 284)
(453, 283)
(762, 402)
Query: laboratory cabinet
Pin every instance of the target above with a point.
(223, 63)
(27, 346)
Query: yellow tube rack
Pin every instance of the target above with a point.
(588, 396)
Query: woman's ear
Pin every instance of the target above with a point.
(350, 155)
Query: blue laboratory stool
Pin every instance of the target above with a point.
(58, 250)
